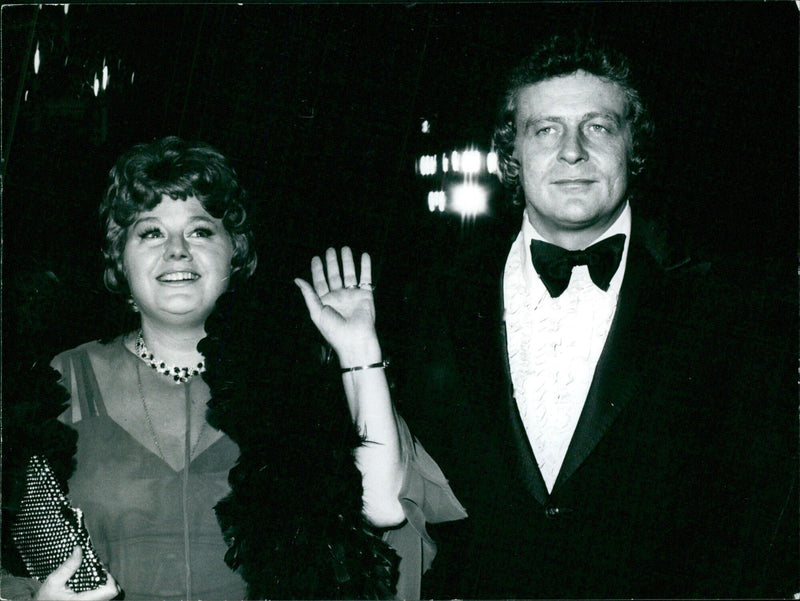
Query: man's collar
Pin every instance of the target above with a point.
(621, 225)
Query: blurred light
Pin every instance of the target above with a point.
(66, 8)
(105, 75)
(455, 158)
(436, 200)
(36, 59)
(445, 163)
(469, 200)
(26, 95)
(132, 74)
(426, 126)
(491, 162)
(427, 165)
(96, 85)
(66, 60)
(471, 161)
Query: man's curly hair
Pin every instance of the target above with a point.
(560, 56)
(179, 169)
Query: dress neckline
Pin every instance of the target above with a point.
(132, 362)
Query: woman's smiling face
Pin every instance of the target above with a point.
(177, 261)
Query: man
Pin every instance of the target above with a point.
(591, 416)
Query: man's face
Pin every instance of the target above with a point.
(573, 144)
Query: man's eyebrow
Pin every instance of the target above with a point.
(533, 121)
(613, 115)
(536, 118)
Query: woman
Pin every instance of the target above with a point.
(151, 468)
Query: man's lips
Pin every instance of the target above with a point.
(173, 277)
(577, 181)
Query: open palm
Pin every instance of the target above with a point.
(339, 304)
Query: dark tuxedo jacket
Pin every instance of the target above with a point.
(667, 489)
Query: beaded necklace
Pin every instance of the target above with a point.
(177, 373)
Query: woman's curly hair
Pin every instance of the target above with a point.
(179, 169)
(560, 56)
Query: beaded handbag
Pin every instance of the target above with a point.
(48, 528)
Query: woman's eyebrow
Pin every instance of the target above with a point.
(145, 219)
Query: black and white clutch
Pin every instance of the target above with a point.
(48, 528)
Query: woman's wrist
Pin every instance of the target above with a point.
(377, 365)
(366, 352)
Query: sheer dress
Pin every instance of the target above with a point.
(152, 525)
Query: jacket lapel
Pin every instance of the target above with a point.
(486, 355)
(616, 379)
(619, 372)
(528, 469)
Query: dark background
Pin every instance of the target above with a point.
(319, 108)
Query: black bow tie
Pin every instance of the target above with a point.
(554, 264)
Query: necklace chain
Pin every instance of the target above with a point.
(177, 373)
(150, 421)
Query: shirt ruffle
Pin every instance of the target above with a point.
(553, 348)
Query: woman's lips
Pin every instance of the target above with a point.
(178, 277)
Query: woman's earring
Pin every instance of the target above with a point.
(133, 306)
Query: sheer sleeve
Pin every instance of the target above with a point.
(17, 588)
(426, 497)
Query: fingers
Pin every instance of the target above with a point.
(327, 277)
(332, 263)
(366, 271)
(65, 571)
(318, 277)
(348, 268)
(310, 296)
(108, 591)
(55, 586)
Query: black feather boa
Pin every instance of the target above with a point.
(293, 520)
(32, 401)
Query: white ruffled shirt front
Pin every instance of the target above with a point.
(554, 344)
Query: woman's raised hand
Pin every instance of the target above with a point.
(341, 305)
(55, 585)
